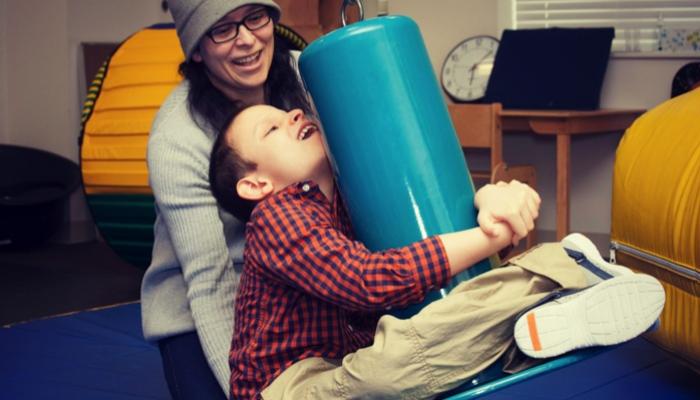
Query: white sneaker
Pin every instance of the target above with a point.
(585, 253)
(613, 311)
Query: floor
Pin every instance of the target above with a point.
(53, 279)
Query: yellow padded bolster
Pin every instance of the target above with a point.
(679, 330)
(656, 210)
(656, 185)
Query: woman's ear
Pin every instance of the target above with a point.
(196, 56)
(255, 188)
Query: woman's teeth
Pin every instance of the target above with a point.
(247, 60)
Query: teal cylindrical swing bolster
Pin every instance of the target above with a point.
(398, 162)
(397, 159)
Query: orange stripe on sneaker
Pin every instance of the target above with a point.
(532, 328)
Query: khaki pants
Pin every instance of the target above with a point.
(447, 342)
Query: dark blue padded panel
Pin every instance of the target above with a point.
(634, 370)
(89, 355)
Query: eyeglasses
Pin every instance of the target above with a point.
(229, 31)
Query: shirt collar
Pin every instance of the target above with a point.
(308, 187)
(311, 189)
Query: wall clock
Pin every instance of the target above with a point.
(466, 70)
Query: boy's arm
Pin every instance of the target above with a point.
(298, 246)
(466, 248)
(304, 250)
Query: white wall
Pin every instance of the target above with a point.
(4, 124)
(38, 88)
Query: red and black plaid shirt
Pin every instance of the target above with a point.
(309, 290)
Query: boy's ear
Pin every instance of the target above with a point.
(255, 188)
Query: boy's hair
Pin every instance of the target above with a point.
(226, 168)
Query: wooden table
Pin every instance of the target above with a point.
(564, 124)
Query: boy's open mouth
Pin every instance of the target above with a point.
(307, 130)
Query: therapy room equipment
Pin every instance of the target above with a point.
(656, 215)
(396, 156)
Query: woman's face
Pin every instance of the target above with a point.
(239, 67)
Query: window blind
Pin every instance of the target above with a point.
(640, 25)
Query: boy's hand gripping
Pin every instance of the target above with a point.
(513, 203)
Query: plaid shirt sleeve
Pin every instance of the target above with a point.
(294, 240)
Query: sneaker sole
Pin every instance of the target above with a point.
(608, 313)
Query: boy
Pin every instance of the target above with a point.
(308, 318)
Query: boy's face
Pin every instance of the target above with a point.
(286, 146)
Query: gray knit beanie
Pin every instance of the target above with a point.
(193, 18)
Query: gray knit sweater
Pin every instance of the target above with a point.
(198, 248)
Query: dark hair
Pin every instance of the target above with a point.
(226, 168)
(211, 109)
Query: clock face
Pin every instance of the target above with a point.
(467, 68)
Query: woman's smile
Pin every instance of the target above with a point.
(249, 60)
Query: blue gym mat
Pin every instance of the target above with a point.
(102, 355)
(89, 355)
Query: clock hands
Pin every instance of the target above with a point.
(473, 67)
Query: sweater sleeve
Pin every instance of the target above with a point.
(299, 246)
(178, 161)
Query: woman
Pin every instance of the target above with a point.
(232, 59)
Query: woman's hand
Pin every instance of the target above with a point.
(514, 203)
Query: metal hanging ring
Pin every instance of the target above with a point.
(346, 3)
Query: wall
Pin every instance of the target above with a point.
(4, 124)
(39, 110)
(445, 23)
